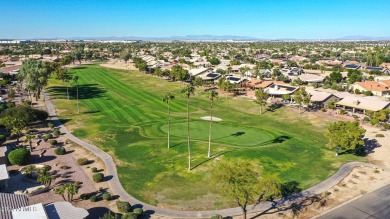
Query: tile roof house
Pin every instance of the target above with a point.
(377, 88)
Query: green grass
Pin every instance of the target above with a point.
(123, 113)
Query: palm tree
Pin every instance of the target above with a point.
(187, 91)
(75, 79)
(167, 99)
(45, 178)
(29, 138)
(29, 170)
(71, 189)
(60, 190)
(212, 95)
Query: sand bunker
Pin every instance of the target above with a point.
(215, 119)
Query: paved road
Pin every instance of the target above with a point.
(372, 205)
(117, 188)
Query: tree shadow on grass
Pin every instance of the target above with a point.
(86, 91)
(212, 158)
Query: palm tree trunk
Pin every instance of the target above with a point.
(188, 133)
(169, 123)
(211, 125)
(78, 109)
(67, 92)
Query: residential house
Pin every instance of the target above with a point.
(320, 99)
(377, 88)
(363, 104)
(278, 89)
(311, 78)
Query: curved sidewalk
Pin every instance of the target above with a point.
(117, 188)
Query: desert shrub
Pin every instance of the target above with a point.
(84, 196)
(129, 215)
(368, 93)
(94, 169)
(50, 125)
(138, 211)
(386, 126)
(374, 121)
(27, 102)
(123, 206)
(217, 216)
(380, 135)
(82, 161)
(48, 136)
(53, 141)
(106, 196)
(366, 118)
(60, 151)
(323, 109)
(357, 91)
(98, 177)
(45, 139)
(19, 156)
(56, 132)
(93, 198)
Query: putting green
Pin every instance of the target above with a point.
(223, 133)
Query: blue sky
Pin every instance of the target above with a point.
(303, 19)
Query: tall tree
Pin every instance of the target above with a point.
(36, 74)
(62, 74)
(345, 136)
(261, 98)
(240, 181)
(301, 97)
(188, 91)
(76, 79)
(167, 99)
(211, 95)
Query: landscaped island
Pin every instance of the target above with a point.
(123, 113)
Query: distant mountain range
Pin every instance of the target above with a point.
(215, 38)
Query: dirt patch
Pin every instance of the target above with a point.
(119, 64)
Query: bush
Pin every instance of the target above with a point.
(374, 121)
(2, 139)
(48, 136)
(50, 125)
(60, 151)
(138, 211)
(45, 139)
(94, 169)
(19, 156)
(217, 216)
(386, 126)
(53, 141)
(93, 198)
(106, 196)
(82, 161)
(27, 102)
(40, 115)
(98, 177)
(129, 215)
(380, 135)
(123, 206)
(56, 132)
(357, 91)
(368, 93)
(323, 109)
(366, 118)
(84, 196)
